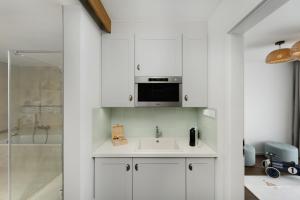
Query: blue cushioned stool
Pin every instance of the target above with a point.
(285, 152)
(249, 152)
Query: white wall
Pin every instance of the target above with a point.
(71, 157)
(142, 121)
(82, 45)
(268, 99)
(156, 27)
(225, 94)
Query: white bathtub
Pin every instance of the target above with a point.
(3, 171)
(33, 167)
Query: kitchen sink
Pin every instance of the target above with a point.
(166, 144)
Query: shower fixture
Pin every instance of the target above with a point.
(39, 127)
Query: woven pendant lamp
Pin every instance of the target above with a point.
(280, 55)
(295, 51)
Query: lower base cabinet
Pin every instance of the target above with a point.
(113, 179)
(154, 178)
(159, 179)
(200, 179)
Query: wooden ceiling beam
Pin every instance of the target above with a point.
(97, 11)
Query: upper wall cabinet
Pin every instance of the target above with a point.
(194, 79)
(158, 55)
(124, 57)
(117, 70)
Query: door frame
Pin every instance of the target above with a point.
(234, 167)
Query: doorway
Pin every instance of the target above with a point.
(267, 93)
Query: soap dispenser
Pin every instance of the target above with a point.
(193, 137)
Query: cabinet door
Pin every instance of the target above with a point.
(158, 55)
(159, 179)
(194, 80)
(200, 179)
(117, 70)
(113, 178)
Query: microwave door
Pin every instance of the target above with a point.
(158, 94)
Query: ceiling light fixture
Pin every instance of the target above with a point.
(295, 51)
(280, 55)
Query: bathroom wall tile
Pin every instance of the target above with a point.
(32, 89)
(51, 78)
(50, 97)
(3, 96)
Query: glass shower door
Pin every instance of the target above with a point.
(3, 131)
(35, 125)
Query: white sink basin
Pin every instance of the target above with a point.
(167, 144)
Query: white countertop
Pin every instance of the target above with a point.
(131, 150)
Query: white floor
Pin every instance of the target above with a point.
(266, 188)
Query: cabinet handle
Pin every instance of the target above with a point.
(130, 97)
(186, 98)
(136, 166)
(138, 67)
(190, 167)
(127, 167)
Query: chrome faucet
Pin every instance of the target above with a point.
(158, 133)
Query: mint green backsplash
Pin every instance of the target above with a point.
(142, 121)
(101, 126)
(208, 129)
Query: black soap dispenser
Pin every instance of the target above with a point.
(193, 136)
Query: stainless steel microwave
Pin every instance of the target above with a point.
(158, 91)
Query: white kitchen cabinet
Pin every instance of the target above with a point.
(200, 179)
(158, 55)
(113, 178)
(194, 79)
(159, 179)
(117, 70)
(154, 178)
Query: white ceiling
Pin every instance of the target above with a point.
(283, 24)
(163, 10)
(30, 25)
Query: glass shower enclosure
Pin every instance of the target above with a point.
(35, 126)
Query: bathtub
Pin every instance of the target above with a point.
(34, 169)
(3, 171)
